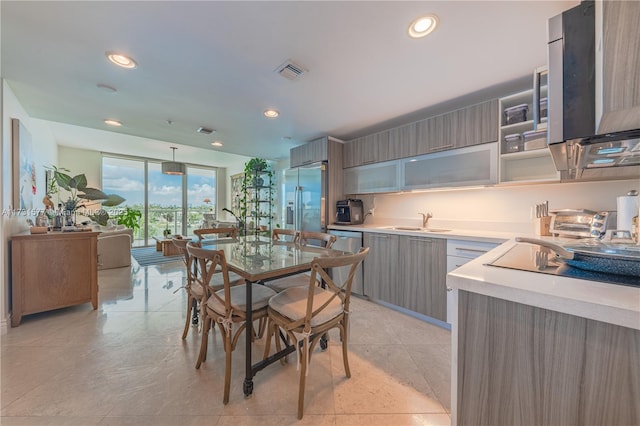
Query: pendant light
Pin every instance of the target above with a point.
(173, 167)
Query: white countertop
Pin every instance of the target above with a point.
(461, 234)
(609, 303)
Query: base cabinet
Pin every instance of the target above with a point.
(381, 268)
(51, 271)
(422, 268)
(409, 272)
(518, 364)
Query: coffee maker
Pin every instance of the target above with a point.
(349, 212)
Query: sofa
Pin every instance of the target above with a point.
(114, 246)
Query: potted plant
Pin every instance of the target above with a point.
(167, 231)
(130, 218)
(80, 194)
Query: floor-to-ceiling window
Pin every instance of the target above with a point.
(178, 203)
(201, 197)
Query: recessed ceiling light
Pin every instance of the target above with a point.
(271, 113)
(216, 143)
(422, 26)
(111, 122)
(121, 60)
(106, 88)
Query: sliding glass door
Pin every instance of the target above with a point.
(177, 203)
(126, 178)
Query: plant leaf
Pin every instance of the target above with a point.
(93, 194)
(100, 217)
(62, 179)
(81, 182)
(113, 200)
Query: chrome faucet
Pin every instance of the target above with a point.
(425, 218)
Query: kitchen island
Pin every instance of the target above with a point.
(531, 348)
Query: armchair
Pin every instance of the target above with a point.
(114, 248)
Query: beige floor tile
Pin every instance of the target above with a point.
(50, 421)
(393, 420)
(126, 364)
(434, 362)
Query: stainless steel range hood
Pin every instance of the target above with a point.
(608, 156)
(591, 85)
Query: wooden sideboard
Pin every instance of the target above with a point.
(51, 271)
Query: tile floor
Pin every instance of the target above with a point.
(125, 364)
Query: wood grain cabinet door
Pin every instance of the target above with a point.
(381, 281)
(621, 59)
(422, 266)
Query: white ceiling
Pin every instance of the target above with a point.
(211, 63)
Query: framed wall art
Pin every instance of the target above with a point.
(24, 168)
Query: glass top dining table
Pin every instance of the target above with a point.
(259, 259)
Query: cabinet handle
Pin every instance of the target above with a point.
(441, 148)
(471, 250)
(368, 162)
(449, 289)
(422, 240)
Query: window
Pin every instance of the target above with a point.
(178, 203)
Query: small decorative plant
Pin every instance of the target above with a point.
(167, 230)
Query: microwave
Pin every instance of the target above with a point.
(580, 223)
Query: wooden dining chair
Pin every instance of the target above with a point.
(193, 288)
(231, 232)
(225, 307)
(304, 314)
(285, 235)
(320, 239)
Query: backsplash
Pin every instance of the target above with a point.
(500, 208)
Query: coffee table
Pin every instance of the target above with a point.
(166, 246)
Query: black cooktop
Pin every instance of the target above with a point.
(533, 258)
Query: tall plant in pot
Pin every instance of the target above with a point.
(80, 195)
(257, 191)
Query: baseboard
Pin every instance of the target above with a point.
(4, 325)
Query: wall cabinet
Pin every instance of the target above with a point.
(323, 149)
(468, 126)
(402, 141)
(475, 165)
(51, 271)
(408, 272)
(311, 152)
(372, 178)
(524, 165)
(620, 47)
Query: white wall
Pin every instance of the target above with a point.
(45, 153)
(97, 141)
(506, 208)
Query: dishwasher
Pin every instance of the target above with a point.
(352, 242)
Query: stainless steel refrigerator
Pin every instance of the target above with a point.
(304, 204)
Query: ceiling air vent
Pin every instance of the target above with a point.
(290, 70)
(205, 131)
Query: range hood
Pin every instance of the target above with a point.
(608, 156)
(594, 116)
